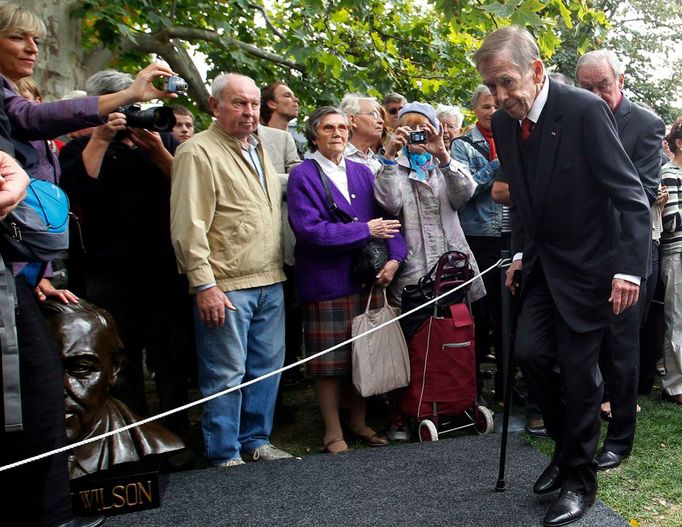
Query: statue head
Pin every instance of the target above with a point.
(89, 346)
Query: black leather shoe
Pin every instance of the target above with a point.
(537, 431)
(569, 507)
(549, 480)
(608, 459)
(84, 521)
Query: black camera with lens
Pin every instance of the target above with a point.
(156, 119)
(418, 137)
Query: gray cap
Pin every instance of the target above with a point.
(423, 108)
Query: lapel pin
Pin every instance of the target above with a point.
(553, 132)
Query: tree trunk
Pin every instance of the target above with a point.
(58, 70)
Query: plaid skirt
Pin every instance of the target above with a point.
(328, 322)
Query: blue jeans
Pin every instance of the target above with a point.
(249, 345)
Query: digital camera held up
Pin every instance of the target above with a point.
(175, 84)
(417, 137)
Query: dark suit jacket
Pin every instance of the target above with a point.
(641, 134)
(567, 219)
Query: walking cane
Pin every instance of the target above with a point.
(508, 363)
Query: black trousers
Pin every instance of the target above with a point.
(652, 327)
(620, 362)
(293, 312)
(151, 314)
(560, 367)
(487, 311)
(37, 493)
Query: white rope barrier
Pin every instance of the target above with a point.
(499, 263)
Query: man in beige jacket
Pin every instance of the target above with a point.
(227, 234)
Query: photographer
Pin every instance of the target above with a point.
(120, 178)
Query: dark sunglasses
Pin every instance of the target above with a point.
(394, 111)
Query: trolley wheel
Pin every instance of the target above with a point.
(427, 431)
(484, 420)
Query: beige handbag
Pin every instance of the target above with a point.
(380, 359)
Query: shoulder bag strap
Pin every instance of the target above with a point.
(475, 145)
(333, 207)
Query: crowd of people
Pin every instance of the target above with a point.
(225, 254)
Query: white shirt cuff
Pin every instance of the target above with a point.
(517, 256)
(629, 278)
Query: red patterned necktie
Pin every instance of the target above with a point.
(526, 129)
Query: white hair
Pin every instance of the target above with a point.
(225, 79)
(350, 104)
(107, 81)
(599, 57)
(444, 110)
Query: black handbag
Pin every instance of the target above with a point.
(370, 259)
(450, 271)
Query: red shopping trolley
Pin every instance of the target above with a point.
(442, 393)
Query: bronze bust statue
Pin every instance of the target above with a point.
(89, 347)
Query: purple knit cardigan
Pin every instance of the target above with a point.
(324, 245)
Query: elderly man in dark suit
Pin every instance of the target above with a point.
(582, 227)
(641, 133)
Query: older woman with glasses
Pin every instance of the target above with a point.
(325, 251)
(366, 129)
(450, 118)
(424, 187)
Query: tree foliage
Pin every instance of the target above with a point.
(322, 48)
(646, 36)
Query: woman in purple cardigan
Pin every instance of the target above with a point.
(325, 249)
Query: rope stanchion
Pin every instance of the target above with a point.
(198, 402)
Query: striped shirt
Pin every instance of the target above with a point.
(671, 237)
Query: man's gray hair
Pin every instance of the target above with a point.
(599, 57)
(107, 81)
(517, 41)
(394, 97)
(350, 104)
(223, 80)
(480, 90)
(444, 110)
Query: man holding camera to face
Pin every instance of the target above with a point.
(119, 178)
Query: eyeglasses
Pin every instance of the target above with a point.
(330, 128)
(374, 114)
(394, 110)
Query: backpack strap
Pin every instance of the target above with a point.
(11, 384)
(476, 145)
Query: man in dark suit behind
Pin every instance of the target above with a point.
(569, 177)
(641, 134)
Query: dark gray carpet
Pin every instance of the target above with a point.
(449, 482)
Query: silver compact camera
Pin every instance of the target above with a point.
(175, 84)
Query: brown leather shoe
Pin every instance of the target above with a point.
(370, 437)
(336, 446)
